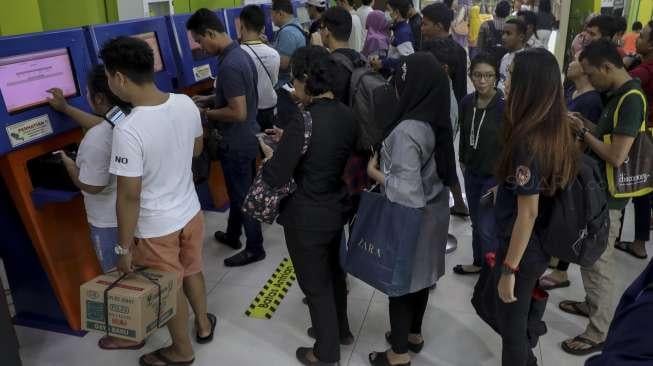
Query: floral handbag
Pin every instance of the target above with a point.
(262, 201)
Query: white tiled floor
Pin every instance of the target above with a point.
(454, 334)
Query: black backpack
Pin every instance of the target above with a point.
(364, 81)
(578, 222)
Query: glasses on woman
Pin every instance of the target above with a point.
(481, 76)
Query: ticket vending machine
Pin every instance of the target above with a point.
(45, 243)
(154, 31)
(233, 23)
(194, 65)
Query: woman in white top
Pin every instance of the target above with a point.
(90, 171)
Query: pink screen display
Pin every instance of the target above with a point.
(196, 49)
(193, 45)
(151, 40)
(25, 79)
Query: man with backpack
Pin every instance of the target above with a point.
(621, 120)
(287, 40)
(436, 24)
(289, 37)
(490, 34)
(354, 86)
(335, 33)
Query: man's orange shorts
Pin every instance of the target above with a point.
(179, 252)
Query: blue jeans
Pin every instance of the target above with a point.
(484, 236)
(239, 169)
(104, 241)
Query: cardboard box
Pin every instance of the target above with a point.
(133, 304)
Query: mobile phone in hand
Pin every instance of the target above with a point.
(487, 200)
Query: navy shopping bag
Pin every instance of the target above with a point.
(381, 245)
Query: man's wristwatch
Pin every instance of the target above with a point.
(120, 250)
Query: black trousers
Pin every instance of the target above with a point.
(642, 206)
(315, 256)
(406, 315)
(512, 318)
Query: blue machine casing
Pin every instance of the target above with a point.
(97, 35)
(73, 40)
(189, 70)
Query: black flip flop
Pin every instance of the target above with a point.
(204, 340)
(166, 361)
(413, 347)
(381, 359)
(575, 309)
(458, 269)
(626, 246)
(135, 347)
(594, 347)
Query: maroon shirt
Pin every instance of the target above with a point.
(644, 73)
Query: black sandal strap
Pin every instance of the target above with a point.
(203, 340)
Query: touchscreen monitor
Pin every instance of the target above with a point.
(195, 48)
(26, 78)
(150, 38)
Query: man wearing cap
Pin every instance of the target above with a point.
(315, 9)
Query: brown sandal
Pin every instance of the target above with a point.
(574, 308)
(102, 343)
(593, 346)
(158, 354)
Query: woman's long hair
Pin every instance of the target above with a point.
(536, 121)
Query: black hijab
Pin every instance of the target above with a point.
(425, 95)
(423, 90)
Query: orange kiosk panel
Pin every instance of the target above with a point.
(52, 217)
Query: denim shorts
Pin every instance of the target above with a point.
(104, 241)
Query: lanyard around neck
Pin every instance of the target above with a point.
(475, 135)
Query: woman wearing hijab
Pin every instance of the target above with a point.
(409, 175)
(377, 42)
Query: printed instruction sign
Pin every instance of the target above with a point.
(202, 72)
(30, 130)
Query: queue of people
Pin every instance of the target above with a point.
(292, 104)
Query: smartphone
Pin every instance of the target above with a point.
(289, 88)
(487, 200)
(114, 115)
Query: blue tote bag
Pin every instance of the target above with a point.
(381, 246)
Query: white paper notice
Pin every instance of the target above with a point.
(30, 130)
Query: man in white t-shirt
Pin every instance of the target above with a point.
(514, 39)
(267, 61)
(363, 11)
(160, 224)
(357, 37)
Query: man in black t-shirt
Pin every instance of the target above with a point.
(435, 25)
(415, 21)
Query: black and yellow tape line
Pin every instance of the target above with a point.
(275, 289)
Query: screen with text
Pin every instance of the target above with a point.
(25, 79)
(150, 38)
